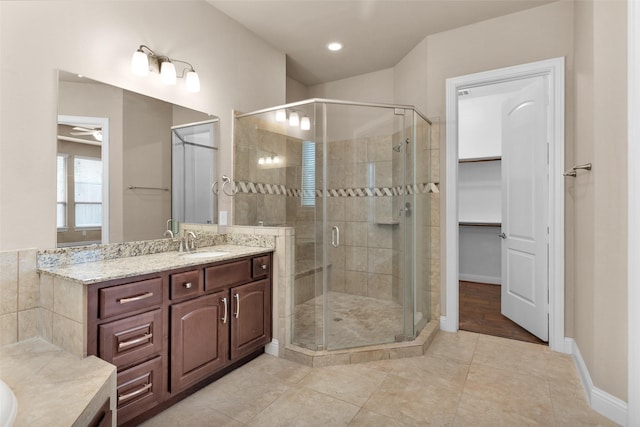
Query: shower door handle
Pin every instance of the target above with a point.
(335, 236)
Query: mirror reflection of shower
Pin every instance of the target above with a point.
(194, 161)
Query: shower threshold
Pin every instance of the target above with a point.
(394, 350)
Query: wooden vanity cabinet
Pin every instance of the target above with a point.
(199, 336)
(169, 333)
(251, 318)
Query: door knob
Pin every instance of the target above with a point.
(502, 235)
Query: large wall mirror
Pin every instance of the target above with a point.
(127, 163)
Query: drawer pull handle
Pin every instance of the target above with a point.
(128, 396)
(136, 298)
(224, 318)
(144, 338)
(237, 297)
(187, 285)
(263, 266)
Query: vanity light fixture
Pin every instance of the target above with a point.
(145, 59)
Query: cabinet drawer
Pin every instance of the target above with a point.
(126, 341)
(139, 389)
(261, 266)
(231, 273)
(130, 297)
(186, 284)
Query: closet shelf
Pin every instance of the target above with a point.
(479, 224)
(480, 159)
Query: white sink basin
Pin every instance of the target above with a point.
(208, 254)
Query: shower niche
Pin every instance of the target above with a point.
(354, 182)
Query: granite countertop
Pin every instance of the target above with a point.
(53, 387)
(101, 271)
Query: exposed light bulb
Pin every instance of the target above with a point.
(193, 82)
(281, 115)
(168, 73)
(140, 63)
(294, 119)
(276, 159)
(261, 161)
(305, 123)
(269, 160)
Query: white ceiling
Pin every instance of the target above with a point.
(376, 34)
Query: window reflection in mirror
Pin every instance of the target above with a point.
(131, 138)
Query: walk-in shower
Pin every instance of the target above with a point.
(354, 181)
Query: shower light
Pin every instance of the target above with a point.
(334, 46)
(281, 115)
(294, 119)
(144, 60)
(305, 123)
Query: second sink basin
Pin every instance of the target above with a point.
(207, 254)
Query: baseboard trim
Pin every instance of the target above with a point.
(602, 402)
(443, 324)
(273, 348)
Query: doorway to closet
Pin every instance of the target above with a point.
(502, 210)
(505, 216)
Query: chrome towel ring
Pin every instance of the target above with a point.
(225, 180)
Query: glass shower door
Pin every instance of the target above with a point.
(193, 167)
(365, 274)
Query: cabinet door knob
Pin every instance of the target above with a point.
(502, 236)
(263, 266)
(188, 285)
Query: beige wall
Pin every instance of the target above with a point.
(600, 240)
(296, 91)
(237, 71)
(376, 87)
(146, 162)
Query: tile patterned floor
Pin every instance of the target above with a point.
(354, 321)
(464, 379)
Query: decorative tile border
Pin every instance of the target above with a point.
(282, 190)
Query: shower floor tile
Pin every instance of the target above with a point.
(354, 321)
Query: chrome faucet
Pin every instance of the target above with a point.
(168, 233)
(191, 247)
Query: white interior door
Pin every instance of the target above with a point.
(524, 208)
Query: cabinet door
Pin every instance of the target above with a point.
(251, 319)
(199, 339)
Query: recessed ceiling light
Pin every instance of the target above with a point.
(334, 46)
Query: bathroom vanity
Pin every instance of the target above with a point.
(173, 323)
